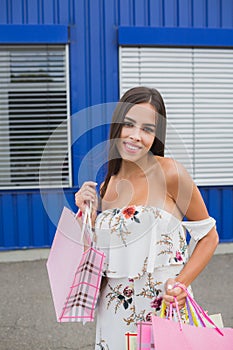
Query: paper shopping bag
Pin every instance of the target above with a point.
(168, 335)
(74, 275)
(81, 301)
(145, 339)
(131, 341)
(64, 258)
(217, 319)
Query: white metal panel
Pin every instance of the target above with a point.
(170, 72)
(197, 87)
(213, 81)
(33, 110)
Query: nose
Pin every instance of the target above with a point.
(135, 133)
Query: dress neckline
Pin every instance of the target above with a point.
(141, 206)
(185, 223)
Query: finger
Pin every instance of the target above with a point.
(181, 296)
(171, 300)
(169, 285)
(174, 291)
(88, 187)
(91, 184)
(181, 304)
(89, 191)
(81, 200)
(168, 299)
(87, 194)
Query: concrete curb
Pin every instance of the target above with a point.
(42, 254)
(24, 255)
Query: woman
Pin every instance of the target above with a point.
(144, 198)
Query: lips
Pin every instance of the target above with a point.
(131, 147)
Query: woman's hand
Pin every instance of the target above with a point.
(87, 193)
(172, 290)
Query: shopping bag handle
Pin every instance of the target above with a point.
(198, 309)
(87, 220)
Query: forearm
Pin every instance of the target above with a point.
(200, 257)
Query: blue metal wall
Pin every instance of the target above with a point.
(93, 43)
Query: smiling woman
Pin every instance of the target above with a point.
(138, 132)
(144, 198)
(147, 103)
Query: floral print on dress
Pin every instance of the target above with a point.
(135, 317)
(151, 291)
(175, 255)
(103, 345)
(131, 213)
(178, 256)
(118, 219)
(167, 243)
(121, 298)
(181, 253)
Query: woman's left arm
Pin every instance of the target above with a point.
(190, 202)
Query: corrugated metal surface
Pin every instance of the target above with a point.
(219, 201)
(29, 218)
(94, 79)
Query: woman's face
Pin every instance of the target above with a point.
(138, 132)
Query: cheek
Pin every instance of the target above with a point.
(148, 141)
(124, 133)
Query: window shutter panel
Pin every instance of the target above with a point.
(197, 87)
(213, 101)
(169, 71)
(34, 110)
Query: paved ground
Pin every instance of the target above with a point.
(27, 319)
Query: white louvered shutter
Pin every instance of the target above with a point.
(34, 131)
(197, 87)
(213, 101)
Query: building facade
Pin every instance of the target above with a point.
(63, 66)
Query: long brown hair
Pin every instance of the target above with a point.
(131, 97)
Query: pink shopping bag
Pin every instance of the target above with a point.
(145, 339)
(74, 275)
(81, 301)
(168, 334)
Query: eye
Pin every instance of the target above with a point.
(128, 124)
(149, 130)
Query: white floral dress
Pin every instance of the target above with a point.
(144, 247)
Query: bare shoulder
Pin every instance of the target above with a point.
(182, 189)
(172, 169)
(179, 184)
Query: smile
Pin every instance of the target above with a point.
(132, 148)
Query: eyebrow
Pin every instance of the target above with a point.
(132, 120)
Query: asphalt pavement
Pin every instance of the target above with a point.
(27, 317)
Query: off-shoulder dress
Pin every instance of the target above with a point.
(144, 246)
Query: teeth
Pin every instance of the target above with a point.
(132, 147)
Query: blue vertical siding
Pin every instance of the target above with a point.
(219, 201)
(29, 218)
(24, 220)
